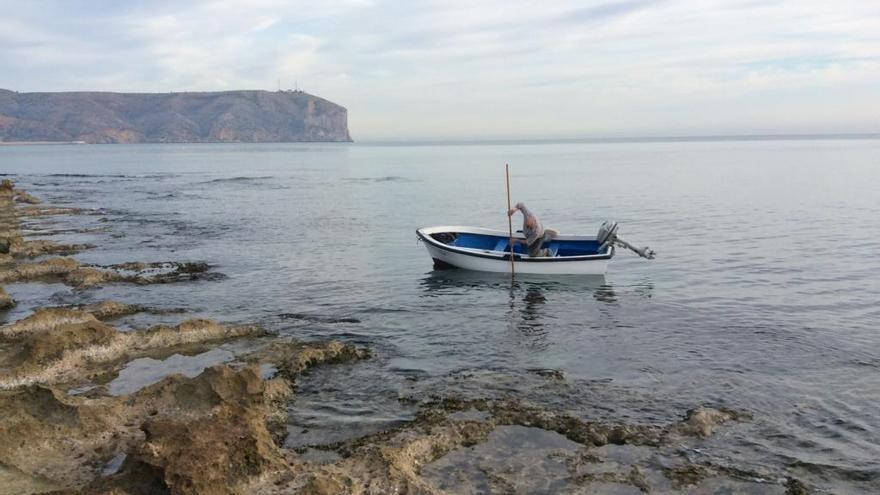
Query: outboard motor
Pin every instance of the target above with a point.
(607, 236)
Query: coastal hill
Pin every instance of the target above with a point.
(210, 117)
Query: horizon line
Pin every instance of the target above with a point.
(629, 139)
(855, 136)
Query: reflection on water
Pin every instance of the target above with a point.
(441, 281)
(527, 315)
(605, 293)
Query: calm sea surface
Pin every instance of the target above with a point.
(764, 297)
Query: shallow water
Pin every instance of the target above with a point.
(763, 296)
(141, 372)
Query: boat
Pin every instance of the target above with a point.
(487, 250)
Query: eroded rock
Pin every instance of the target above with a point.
(181, 435)
(211, 454)
(45, 433)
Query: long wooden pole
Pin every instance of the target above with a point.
(509, 218)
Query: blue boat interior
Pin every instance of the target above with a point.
(496, 243)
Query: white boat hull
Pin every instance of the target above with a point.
(457, 260)
(499, 262)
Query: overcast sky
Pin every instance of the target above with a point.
(471, 69)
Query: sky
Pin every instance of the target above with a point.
(493, 69)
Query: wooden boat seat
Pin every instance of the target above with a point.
(502, 244)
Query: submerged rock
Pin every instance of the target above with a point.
(318, 318)
(293, 358)
(66, 270)
(71, 272)
(701, 422)
(12, 243)
(111, 310)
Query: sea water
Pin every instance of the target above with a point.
(764, 297)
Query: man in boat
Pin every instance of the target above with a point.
(534, 232)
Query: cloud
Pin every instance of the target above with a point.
(468, 69)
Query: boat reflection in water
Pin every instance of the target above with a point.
(525, 298)
(527, 316)
(453, 281)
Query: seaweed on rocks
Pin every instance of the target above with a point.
(7, 188)
(6, 301)
(65, 270)
(66, 440)
(23, 197)
(687, 475)
(56, 345)
(795, 487)
(9, 192)
(44, 320)
(20, 248)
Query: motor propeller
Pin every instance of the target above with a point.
(607, 236)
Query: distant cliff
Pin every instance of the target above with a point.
(227, 116)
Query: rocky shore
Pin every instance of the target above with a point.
(222, 431)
